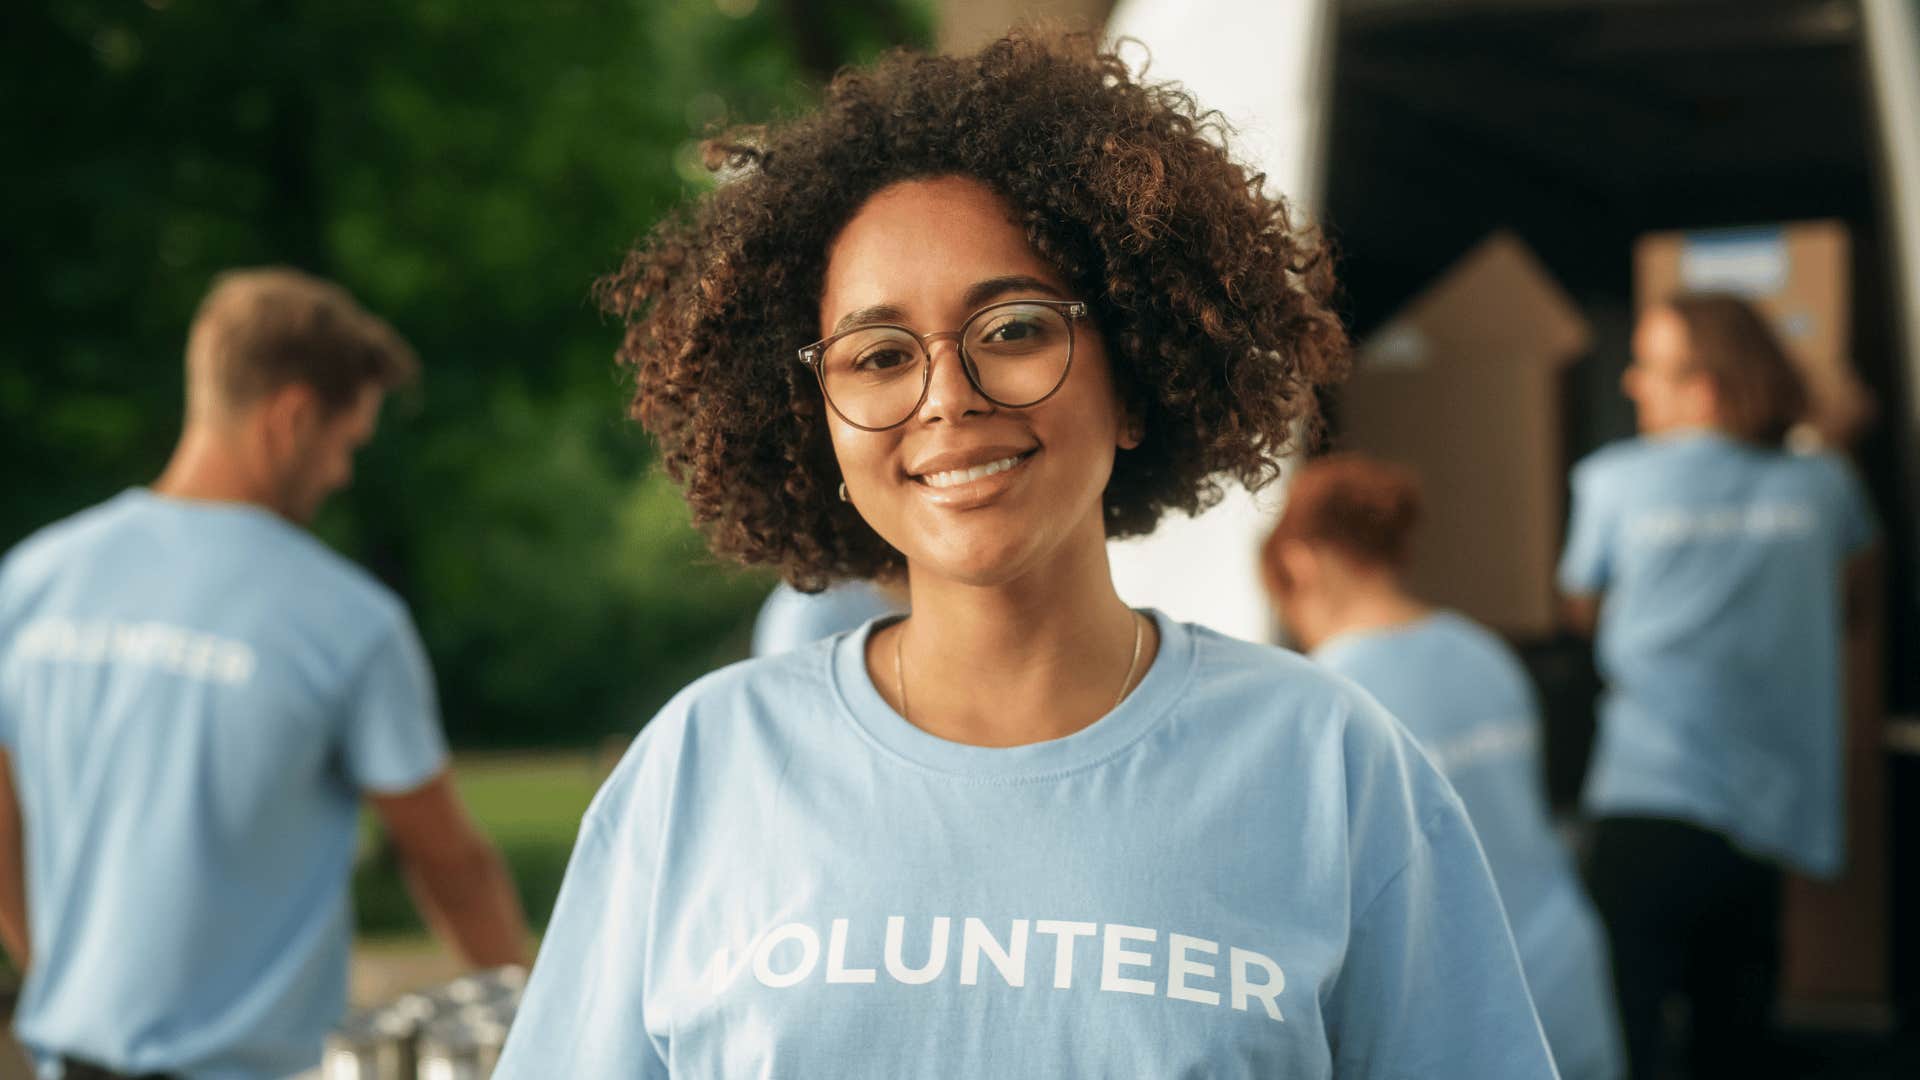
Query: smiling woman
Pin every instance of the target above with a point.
(1210, 300)
(967, 322)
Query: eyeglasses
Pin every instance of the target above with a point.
(1016, 354)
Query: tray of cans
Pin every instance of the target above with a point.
(453, 1031)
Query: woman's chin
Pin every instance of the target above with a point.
(977, 563)
(1000, 545)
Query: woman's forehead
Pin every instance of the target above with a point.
(921, 245)
(1661, 335)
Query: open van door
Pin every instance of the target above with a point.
(1893, 60)
(1892, 32)
(1264, 66)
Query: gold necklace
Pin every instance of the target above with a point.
(900, 677)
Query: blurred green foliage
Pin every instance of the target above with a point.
(467, 169)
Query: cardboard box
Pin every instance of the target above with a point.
(1836, 943)
(1799, 275)
(1463, 386)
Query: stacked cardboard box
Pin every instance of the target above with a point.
(1463, 386)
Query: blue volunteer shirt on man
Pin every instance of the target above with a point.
(194, 695)
(1468, 702)
(1720, 636)
(1245, 870)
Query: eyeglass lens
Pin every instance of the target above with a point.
(1016, 354)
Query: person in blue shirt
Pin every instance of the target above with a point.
(1716, 563)
(195, 694)
(1334, 566)
(1025, 831)
(789, 618)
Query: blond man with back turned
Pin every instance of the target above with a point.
(195, 694)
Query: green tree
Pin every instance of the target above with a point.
(468, 170)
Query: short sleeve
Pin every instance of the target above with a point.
(10, 619)
(791, 619)
(773, 630)
(1587, 562)
(584, 1011)
(1431, 985)
(393, 738)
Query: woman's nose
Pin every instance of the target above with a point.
(950, 394)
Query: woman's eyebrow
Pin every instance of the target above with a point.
(982, 291)
(977, 295)
(875, 313)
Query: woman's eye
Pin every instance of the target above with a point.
(1011, 330)
(881, 360)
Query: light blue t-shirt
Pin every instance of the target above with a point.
(1245, 870)
(194, 695)
(790, 618)
(1720, 636)
(1465, 698)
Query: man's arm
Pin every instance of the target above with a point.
(13, 871)
(1581, 613)
(457, 877)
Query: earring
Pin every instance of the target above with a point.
(843, 492)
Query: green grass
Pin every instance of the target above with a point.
(530, 804)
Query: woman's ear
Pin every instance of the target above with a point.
(1302, 565)
(1133, 430)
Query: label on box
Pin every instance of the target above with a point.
(1745, 262)
(1395, 347)
(1795, 325)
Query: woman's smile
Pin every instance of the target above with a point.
(965, 479)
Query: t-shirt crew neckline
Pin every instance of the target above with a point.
(1153, 698)
(1700, 436)
(233, 509)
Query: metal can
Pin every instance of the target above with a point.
(377, 1044)
(350, 1049)
(485, 987)
(454, 1031)
(489, 1024)
(511, 976)
(450, 1050)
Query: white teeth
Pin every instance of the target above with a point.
(957, 477)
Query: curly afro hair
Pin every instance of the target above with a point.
(1212, 303)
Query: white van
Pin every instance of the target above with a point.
(1414, 128)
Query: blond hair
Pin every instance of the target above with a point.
(261, 329)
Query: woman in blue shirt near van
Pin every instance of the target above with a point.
(1714, 562)
(965, 322)
(1334, 566)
